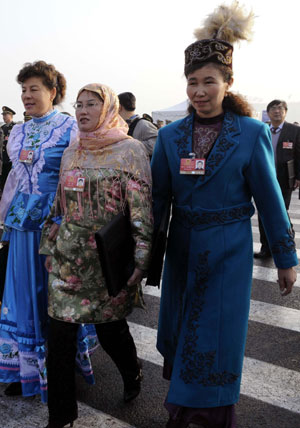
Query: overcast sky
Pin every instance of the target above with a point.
(138, 46)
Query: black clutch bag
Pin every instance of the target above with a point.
(158, 250)
(115, 245)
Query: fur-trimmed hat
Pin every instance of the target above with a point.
(225, 26)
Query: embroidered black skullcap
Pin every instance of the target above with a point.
(208, 50)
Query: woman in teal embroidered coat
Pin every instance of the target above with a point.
(208, 267)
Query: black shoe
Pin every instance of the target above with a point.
(132, 387)
(179, 423)
(57, 425)
(13, 389)
(263, 254)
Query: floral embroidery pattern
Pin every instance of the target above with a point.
(220, 149)
(198, 365)
(184, 141)
(194, 218)
(38, 136)
(7, 351)
(37, 132)
(36, 214)
(285, 246)
(203, 139)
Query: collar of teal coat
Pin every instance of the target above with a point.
(226, 144)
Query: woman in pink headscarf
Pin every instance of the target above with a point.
(101, 172)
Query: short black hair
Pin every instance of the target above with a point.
(276, 103)
(127, 100)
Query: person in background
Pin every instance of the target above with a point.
(286, 148)
(1, 147)
(26, 117)
(140, 128)
(110, 170)
(160, 124)
(205, 297)
(35, 149)
(7, 114)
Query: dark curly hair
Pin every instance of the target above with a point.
(51, 78)
(232, 102)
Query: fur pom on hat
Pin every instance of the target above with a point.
(225, 26)
(228, 23)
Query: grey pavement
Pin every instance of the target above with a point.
(29, 412)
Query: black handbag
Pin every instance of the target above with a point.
(291, 173)
(158, 250)
(115, 245)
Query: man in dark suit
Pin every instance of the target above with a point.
(286, 146)
(7, 114)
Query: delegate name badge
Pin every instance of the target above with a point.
(26, 156)
(74, 183)
(287, 145)
(192, 166)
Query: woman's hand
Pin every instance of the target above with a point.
(136, 277)
(48, 264)
(53, 232)
(286, 280)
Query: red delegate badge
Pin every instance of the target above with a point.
(26, 156)
(192, 166)
(74, 183)
(287, 145)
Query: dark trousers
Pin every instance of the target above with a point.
(3, 263)
(6, 167)
(115, 339)
(287, 195)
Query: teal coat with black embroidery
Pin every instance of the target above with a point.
(208, 266)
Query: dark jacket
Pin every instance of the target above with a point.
(284, 152)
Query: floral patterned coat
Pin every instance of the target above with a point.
(113, 175)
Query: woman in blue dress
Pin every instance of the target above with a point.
(208, 267)
(35, 149)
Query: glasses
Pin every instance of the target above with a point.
(88, 105)
(274, 108)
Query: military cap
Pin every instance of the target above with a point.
(6, 109)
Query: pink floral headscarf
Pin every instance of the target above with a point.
(111, 127)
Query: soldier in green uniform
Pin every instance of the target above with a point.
(7, 114)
